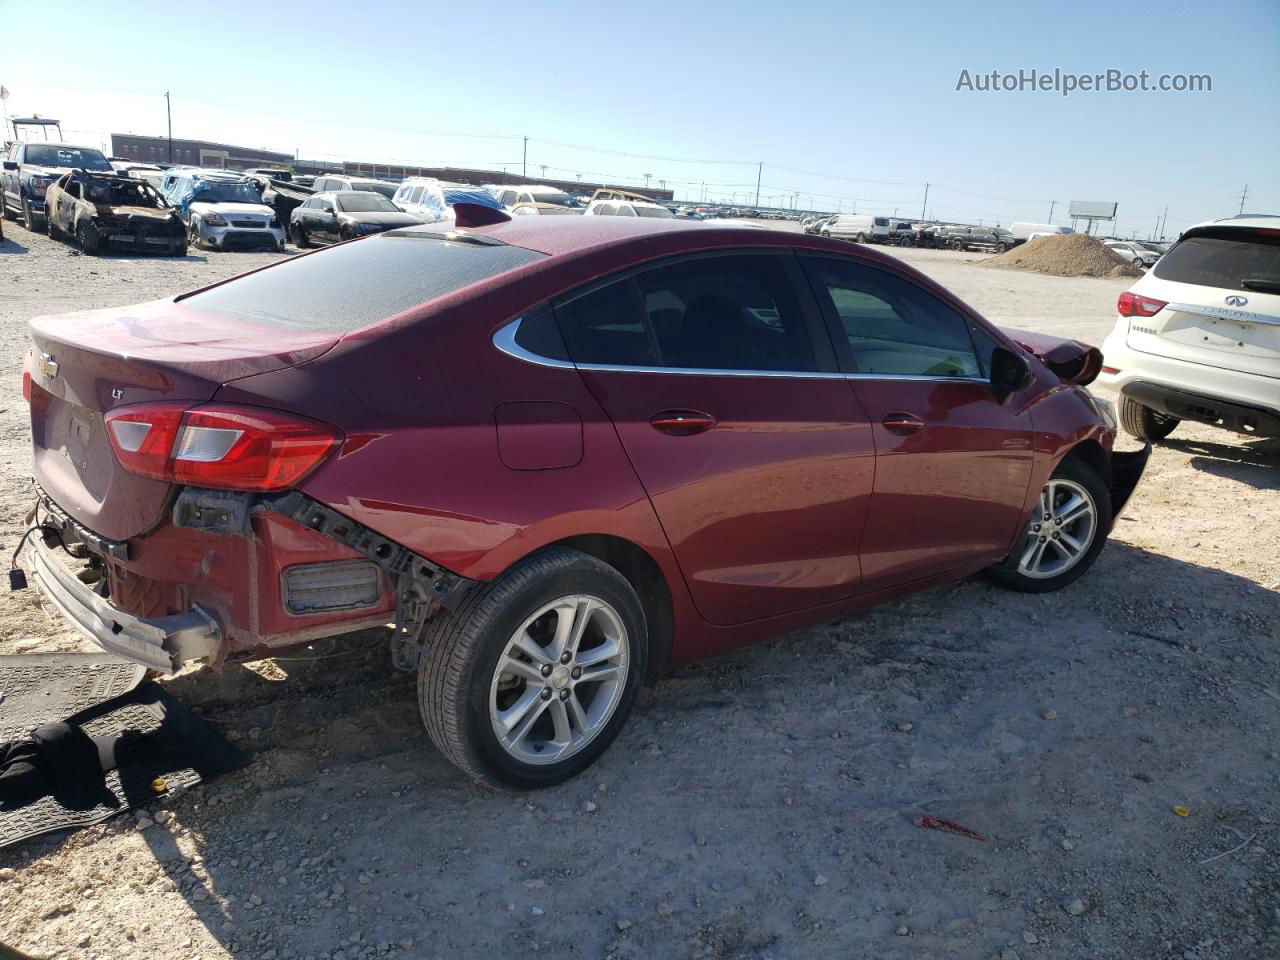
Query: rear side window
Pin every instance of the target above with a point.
(356, 284)
(606, 327)
(892, 326)
(1226, 259)
(733, 312)
(736, 312)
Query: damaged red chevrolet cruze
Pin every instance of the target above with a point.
(559, 455)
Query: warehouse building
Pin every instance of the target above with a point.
(201, 153)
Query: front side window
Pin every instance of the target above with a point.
(415, 194)
(893, 327)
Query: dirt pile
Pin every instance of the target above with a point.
(1065, 255)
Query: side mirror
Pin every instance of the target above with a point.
(11, 165)
(1010, 372)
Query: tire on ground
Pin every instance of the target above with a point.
(1144, 423)
(1007, 573)
(461, 653)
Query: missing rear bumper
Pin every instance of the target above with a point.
(161, 643)
(1126, 471)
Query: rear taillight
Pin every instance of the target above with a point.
(230, 447)
(26, 379)
(1132, 305)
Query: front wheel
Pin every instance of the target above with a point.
(87, 235)
(193, 235)
(1064, 536)
(299, 237)
(29, 218)
(1144, 423)
(528, 682)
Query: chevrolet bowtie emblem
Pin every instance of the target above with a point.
(48, 366)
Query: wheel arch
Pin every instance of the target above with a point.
(644, 574)
(1093, 455)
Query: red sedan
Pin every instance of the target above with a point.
(561, 455)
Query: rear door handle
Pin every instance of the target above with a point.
(903, 423)
(682, 423)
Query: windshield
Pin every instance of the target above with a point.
(1224, 258)
(388, 190)
(57, 155)
(214, 191)
(658, 212)
(366, 203)
(118, 193)
(556, 197)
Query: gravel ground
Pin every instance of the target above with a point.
(760, 805)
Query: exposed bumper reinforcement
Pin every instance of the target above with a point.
(161, 644)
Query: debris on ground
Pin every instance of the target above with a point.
(1065, 255)
(930, 822)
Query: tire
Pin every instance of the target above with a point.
(299, 237)
(1144, 423)
(55, 232)
(1001, 248)
(345, 234)
(181, 250)
(29, 219)
(193, 235)
(87, 237)
(860, 238)
(827, 234)
(1030, 571)
(463, 693)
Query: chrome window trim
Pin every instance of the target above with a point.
(1223, 313)
(504, 338)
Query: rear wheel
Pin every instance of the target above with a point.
(299, 236)
(860, 238)
(534, 675)
(1144, 423)
(55, 232)
(1065, 534)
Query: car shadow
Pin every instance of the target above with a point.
(10, 245)
(1253, 461)
(348, 830)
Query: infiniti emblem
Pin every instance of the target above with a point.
(1237, 301)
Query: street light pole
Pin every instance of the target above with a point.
(169, 116)
(524, 160)
(759, 173)
(924, 205)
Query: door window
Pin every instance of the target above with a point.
(415, 194)
(892, 326)
(736, 312)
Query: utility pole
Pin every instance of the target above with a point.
(1052, 204)
(759, 173)
(924, 205)
(1164, 220)
(169, 115)
(524, 159)
(544, 171)
(1243, 197)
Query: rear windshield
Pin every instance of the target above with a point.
(1226, 259)
(357, 284)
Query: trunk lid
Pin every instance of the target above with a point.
(84, 364)
(1219, 285)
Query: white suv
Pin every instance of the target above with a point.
(1198, 337)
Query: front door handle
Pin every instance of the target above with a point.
(902, 423)
(682, 423)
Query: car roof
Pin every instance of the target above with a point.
(574, 236)
(1253, 221)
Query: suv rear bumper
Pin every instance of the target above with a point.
(1253, 421)
(160, 643)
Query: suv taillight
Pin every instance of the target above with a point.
(1132, 305)
(224, 446)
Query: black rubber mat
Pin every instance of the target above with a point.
(186, 750)
(38, 688)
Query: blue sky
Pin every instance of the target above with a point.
(843, 102)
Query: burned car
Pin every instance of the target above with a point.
(560, 455)
(103, 211)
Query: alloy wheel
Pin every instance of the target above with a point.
(1060, 532)
(559, 679)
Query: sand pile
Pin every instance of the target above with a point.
(1065, 255)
